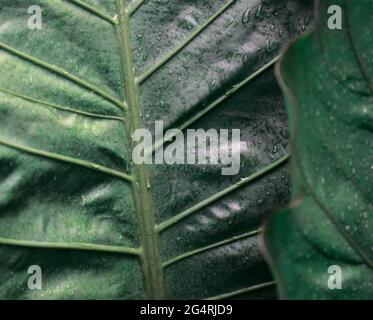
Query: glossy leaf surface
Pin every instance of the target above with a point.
(327, 78)
(71, 96)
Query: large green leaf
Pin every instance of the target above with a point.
(72, 93)
(327, 78)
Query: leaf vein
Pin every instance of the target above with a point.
(70, 246)
(134, 6)
(63, 73)
(94, 11)
(182, 45)
(242, 291)
(211, 246)
(70, 160)
(58, 107)
(215, 103)
(350, 240)
(177, 218)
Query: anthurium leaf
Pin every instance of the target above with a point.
(72, 94)
(321, 247)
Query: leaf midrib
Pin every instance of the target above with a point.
(149, 239)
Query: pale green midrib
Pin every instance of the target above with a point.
(79, 246)
(63, 73)
(215, 103)
(98, 13)
(211, 246)
(183, 44)
(242, 291)
(150, 258)
(177, 218)
(55, 106)
(69, 160)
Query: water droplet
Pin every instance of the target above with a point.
(246, 16)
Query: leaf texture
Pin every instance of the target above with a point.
(327, 80)
(71, 96)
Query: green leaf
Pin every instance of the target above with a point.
(327, 78)
(72, 94)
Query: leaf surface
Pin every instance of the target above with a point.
(327, 80)
(71, 96)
